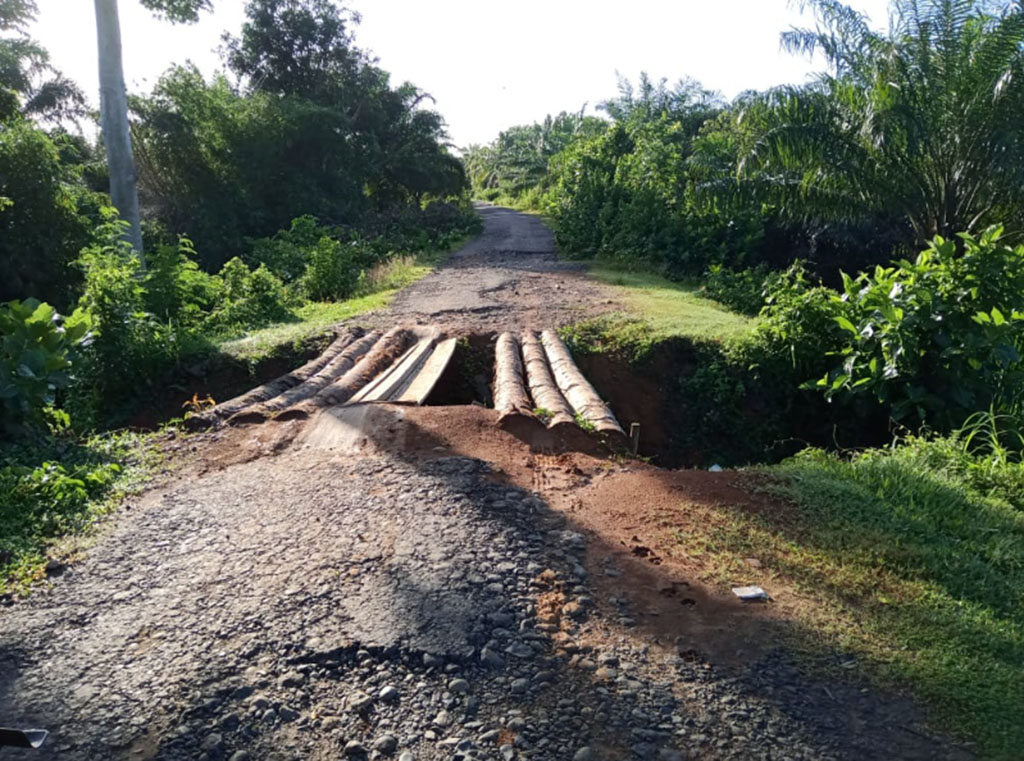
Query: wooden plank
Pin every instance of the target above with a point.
(385, 352)
(420, 387)
(392, 381)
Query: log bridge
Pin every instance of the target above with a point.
(534, 377)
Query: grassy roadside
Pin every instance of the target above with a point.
(909, 561)
(55, 490)
(378, 288)
(670, 308)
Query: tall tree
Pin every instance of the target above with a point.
(922, 120)
(117, 138)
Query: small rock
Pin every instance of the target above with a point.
(406, 756)
(507, 751)
(240, 755)
(291, 679)
(212, 742)
(386, 744)
(432, 661)
(443, 719)
(490, 658)
(354, 748)
(460, 686)
(519, 686)
(359, 702)
(330, 723)
(574, 611)
(288, 714)
(230, 722)
(584, 754)
(520, 650)
(388, 694)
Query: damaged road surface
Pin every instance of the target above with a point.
(378, 581)
(507, 279)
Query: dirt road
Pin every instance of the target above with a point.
(507, 279)
(419, 584)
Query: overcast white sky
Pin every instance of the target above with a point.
(489, 65)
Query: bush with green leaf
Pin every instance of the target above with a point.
(251, 299)
(332, 273)
(742, 291)
(176, 290)
(286, 253)
(936, 339)
(37, 349)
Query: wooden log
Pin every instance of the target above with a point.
(543, 389)
(385, 353)
(510, 395)
(273, 388)
(577, 389)
(339, 365)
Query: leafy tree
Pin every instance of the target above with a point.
(301, 48)
(923, 119)
(518, 159)
(29, 85)
(314, 128)
(47, 218)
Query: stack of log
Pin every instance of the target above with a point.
(558, 395)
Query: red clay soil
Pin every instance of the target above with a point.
(627, 509)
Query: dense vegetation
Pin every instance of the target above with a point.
(307, 178)
(909, 142)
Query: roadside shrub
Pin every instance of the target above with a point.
(37, 349)
(936, 339)
(45, 217)
(332, 273)
(132, 347)
(251, 298)
(742, 291)
(287, 253)
(176, 290)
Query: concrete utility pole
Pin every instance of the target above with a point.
(117, 137)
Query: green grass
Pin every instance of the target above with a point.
(378, 287)
(672, 309)
(910, 560)
(311, 319)
(58, 489)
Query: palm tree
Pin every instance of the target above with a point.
(923, 120)
(117, 138)
(29, 85)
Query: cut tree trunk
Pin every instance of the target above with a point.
(385, 353)
(543, 389)
(117, 136)
(577, 389)
(273, 388)
(335, 368)
(510, 396)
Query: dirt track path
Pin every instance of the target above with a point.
(508, 278)
(414, 584)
